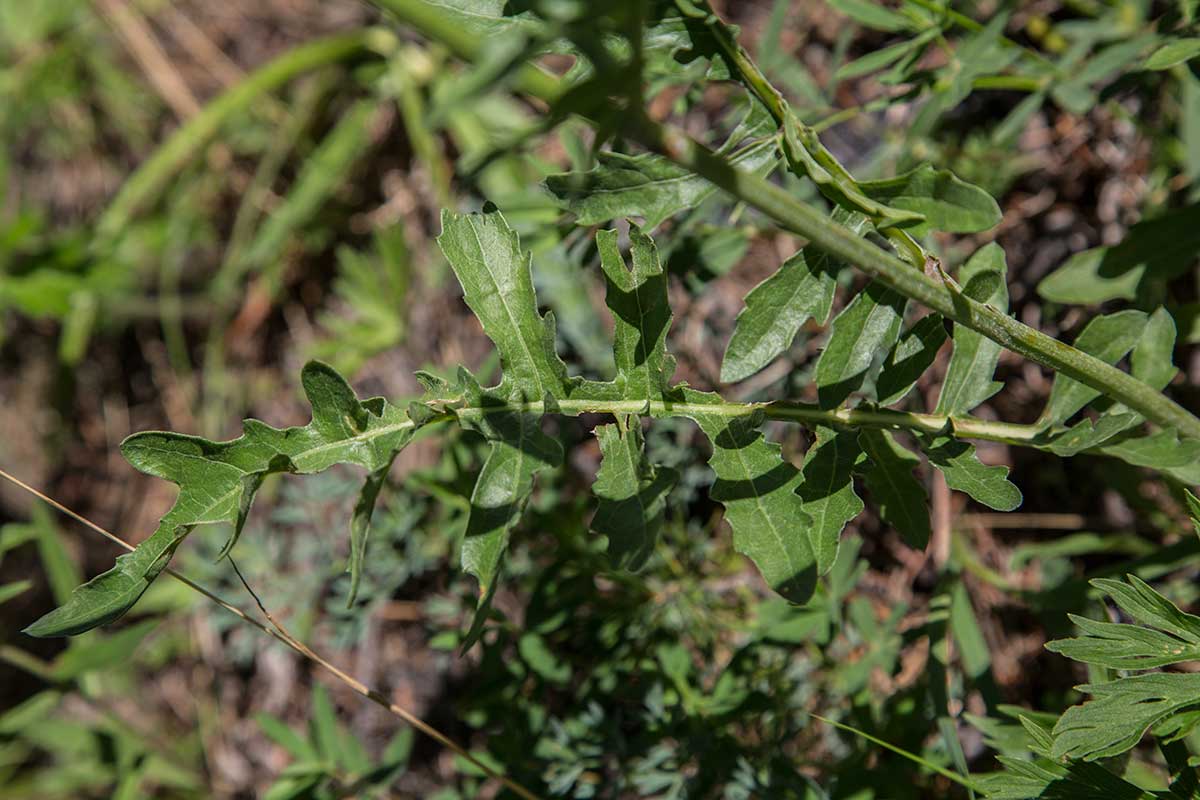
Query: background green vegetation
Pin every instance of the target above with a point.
(197, 198)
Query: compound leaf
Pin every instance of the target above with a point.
(218, 480)
(1120, 713)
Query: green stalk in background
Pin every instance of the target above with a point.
(153, 176)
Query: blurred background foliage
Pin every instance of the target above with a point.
(195, 198)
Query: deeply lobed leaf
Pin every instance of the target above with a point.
(1120, 713)
(802, 288)
(632, 494)
(218, 480)
(758, 486)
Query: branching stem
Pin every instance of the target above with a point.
(813, 224)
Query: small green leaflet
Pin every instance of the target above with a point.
(1108, 338)
(1154, 250)
(873, 15)
(646, 185)
(959, 463)
(828, 490)
(632, 494)
(486, 257)
(637, 297)
(968, 379)
(900, 497)
(1177, 52)
(869, 325)
(909, 359)
(1121, 712)
(802, 288)
(217, 482)
(1170, 636)
(947, 202)
(758, 489)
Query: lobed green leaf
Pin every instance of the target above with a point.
(908, 360)
(1120, 713)
(632, 494)
(960, 464)
(1153, 251)
(901, 498)
(968, 379)
(947, 202)
(828, 490)
(758, 486)
(1108, 338)
(646, 185)
(218, 480)
(802, 288)
(870, 324)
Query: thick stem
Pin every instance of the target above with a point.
(814, 225)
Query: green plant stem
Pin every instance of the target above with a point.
(813, 224)
(185, 144)
(966, 23)
(1012, 83)
(803, 413)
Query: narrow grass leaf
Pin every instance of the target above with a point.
(1177, 52)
